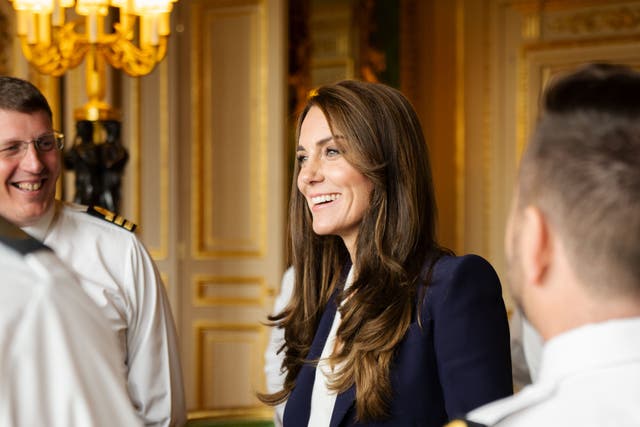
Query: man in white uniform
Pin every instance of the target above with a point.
(573, 252)
(57, 364)
(113, 266)
(273, 357)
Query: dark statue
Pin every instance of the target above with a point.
(98, 165)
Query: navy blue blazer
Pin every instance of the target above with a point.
(459, 360)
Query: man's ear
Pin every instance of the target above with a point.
(537, 246)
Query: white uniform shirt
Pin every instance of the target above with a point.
(589, 376)
(119, 275)
(57, 364)
(273, 360)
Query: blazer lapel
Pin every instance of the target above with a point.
(344, 402)
(298, 406)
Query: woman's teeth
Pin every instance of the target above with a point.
(324, 198)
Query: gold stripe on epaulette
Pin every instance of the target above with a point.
(111, 217)
(108, 215)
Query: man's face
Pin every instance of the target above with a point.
(28, 178)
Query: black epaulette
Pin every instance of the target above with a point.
(18, 240)
(460, 422)
(114, 218)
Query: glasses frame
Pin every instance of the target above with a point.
(58, 146)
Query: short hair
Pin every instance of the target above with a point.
(610, 88)
(20, 95)
(582, 168)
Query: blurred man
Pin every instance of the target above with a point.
(573, 252)
(57, 364)
(273, 357)
(113, 266)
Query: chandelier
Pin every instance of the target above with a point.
(53, 45)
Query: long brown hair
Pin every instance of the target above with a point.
(382, 138)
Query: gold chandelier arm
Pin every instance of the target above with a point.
(121, 53)
(65, 52)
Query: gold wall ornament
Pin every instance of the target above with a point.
(53, 45)
(621, 19)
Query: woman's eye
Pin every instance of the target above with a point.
(331, 152)
(301, 158)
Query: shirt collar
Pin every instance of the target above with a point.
(590, 347)
(39, 229)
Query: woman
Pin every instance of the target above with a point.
(384, 326)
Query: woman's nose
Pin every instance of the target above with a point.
(311, 171)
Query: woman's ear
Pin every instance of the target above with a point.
(537, 245)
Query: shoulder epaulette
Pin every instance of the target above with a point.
(114, 218)
(18, 240)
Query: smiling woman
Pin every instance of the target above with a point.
(384, 326)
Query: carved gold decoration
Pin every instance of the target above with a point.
(596, 21)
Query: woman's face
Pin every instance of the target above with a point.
(336, 193)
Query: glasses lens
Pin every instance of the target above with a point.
(46, 142)
(11, 150)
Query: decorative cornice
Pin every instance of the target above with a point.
(621, 19)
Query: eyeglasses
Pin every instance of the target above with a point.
(43, 144)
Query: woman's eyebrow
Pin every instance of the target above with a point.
(320, 142)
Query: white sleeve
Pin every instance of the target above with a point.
(61, 370)
(272, 360)
(155, 374)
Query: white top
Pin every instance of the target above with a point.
(272, 360)
(57, 364)
(322, 398)
(119, 275)
(589, 376)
